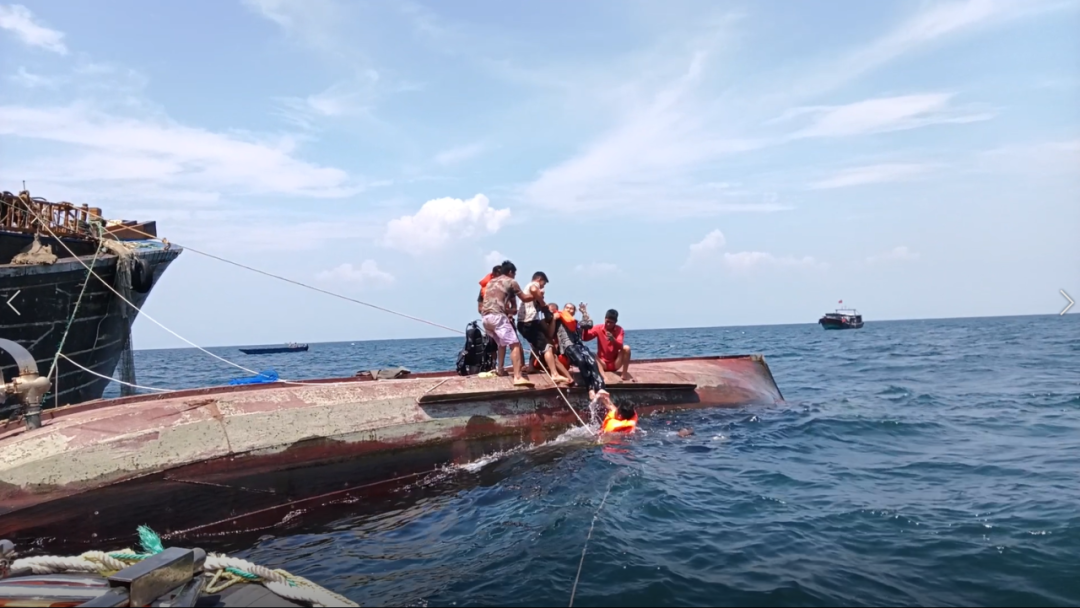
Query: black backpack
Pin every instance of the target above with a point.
(479, 352)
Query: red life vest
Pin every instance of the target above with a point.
(615, 425)
(483, 285)
(568, 320)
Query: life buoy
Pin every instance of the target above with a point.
(142, 275)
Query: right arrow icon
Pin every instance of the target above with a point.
(1070, 304)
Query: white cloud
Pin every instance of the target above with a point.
(871, 174)
(459, 154)
(494, 258)
(351, 97)
(708, 251)
(746, 261)
(931, 23)
(442, 220)
(108, 148)
(32, 81)
(315, 23)
(896, 254)
(18, 19)
(883, 114)
(712, 242)
(368, 274)
(596, 268)
(1060, 157)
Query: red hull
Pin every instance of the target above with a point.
(149, 445)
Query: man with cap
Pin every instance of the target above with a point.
(611, 352)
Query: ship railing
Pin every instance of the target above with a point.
(23, 213)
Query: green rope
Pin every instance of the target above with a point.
(151, 545)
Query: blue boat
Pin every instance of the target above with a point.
(291, 347)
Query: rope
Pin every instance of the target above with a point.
(263, 272)
(128, 302)
(75, 311)
(573, 591)
(100, 375)
(220, 571)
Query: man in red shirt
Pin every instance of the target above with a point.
(611, 352)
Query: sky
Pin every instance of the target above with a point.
(689, 163)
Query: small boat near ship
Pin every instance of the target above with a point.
(291, 347)
(843, 318)
(162, 449)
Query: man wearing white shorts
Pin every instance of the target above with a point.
(498, 298)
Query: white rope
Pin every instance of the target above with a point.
(100, 375)
(280, 582)
(540, 362)
(128, 302)
(531, 352)
(584, 548)
(71, 319)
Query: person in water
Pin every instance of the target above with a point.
(533, 326)
(619, 419)
(611, 350)
(500, 294)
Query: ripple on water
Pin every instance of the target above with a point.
(917, 463)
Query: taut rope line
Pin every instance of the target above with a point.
(128, 302)
(263, 272)
(585, 547)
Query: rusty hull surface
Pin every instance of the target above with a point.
(223, 433)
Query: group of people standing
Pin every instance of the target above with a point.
(555, 336)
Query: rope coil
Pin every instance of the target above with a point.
(219, 571)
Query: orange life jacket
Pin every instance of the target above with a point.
(568, 320)
(614, 425)
(483, 285)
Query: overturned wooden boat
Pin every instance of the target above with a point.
(236, 436)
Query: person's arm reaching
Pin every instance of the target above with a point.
(516, 290)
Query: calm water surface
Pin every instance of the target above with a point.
(917, 463)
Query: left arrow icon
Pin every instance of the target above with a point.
(12, 305)
(1070, 304)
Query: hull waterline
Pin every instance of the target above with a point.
(154, 452)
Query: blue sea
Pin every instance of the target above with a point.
(916, 463)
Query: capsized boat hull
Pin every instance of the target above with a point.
(217, 435)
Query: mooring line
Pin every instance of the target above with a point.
(91, 271)
(596, 515)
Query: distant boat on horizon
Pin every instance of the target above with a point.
(843, 318)
(291, 347)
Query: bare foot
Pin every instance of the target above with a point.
(523, 382)
(502, 372)
(626, 377)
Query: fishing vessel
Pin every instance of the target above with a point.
(843, 318)
(291, 347)
(65, 273)
(264, 449)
